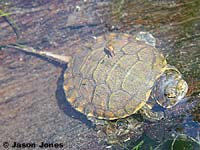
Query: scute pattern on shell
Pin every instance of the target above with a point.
(112, 87)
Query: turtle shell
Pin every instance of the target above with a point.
(106, 87)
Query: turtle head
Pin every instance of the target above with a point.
(172, 88)
(174, 92)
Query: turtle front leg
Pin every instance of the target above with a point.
(149, 114)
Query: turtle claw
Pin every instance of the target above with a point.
(147, 38)
(151, 115)
(154, 116)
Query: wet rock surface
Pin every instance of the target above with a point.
(32, 102)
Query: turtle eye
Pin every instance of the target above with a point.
(171, 95)
(170, 91)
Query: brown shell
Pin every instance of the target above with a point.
(111, 87)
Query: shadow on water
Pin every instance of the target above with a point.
(60, 94)
(64, 104)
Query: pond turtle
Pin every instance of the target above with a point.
(114, 75)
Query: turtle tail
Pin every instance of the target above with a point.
(27, 49)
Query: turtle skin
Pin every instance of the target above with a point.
(110, 87)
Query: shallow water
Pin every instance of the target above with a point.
(177, 26)
(174, 23)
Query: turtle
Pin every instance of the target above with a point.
(114, 75)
